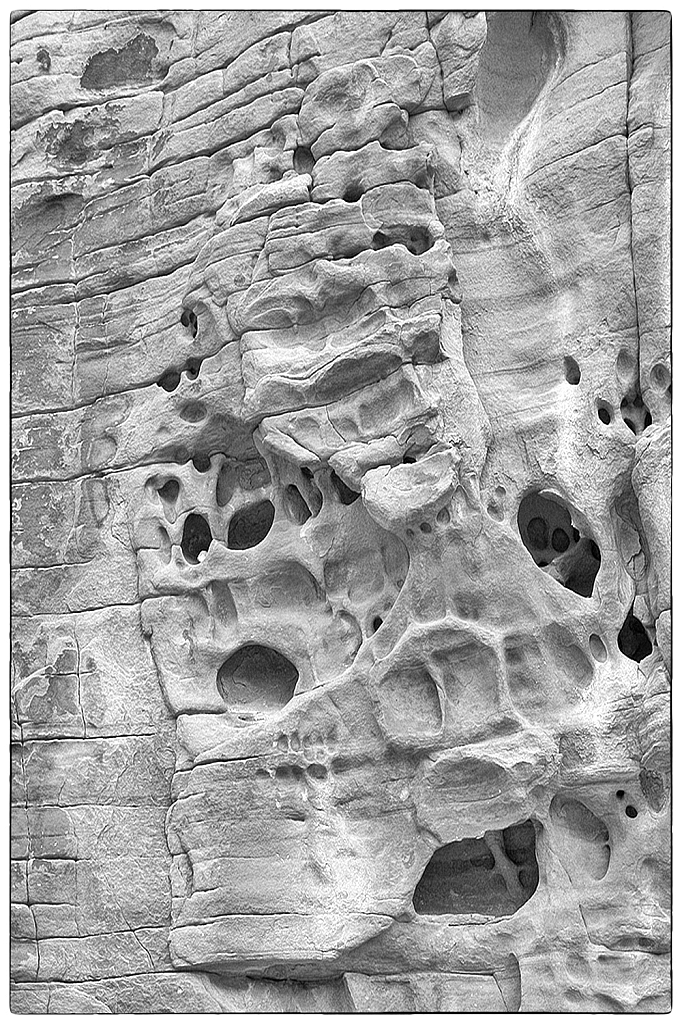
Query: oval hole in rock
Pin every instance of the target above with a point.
(202, 463)
(257, 678)
(492, 876)
(631, 811)
(604, 412)
(345, 494)
(597, 648)
(660, 376)
(633, 640)
(250, 525)
(196, 537)
(170, 491)
(571, 370)
(377, 623)
(303, 160)
(225, 484)
(295, 506)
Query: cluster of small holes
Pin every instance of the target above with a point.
(630, 810)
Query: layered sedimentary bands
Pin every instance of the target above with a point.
(341, 384)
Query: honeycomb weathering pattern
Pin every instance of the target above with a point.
(341, 587)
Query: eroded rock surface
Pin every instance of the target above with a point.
(341, 381)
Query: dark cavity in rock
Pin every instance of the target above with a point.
(548, 533)
(257, 678)
(633, 640)
(492, 876)
(250, 525)
(196, 538)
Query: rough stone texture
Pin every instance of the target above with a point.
(341, 376)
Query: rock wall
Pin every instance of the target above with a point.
(341, 588)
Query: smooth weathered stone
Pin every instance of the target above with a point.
(341, 516)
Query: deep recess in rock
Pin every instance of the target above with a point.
(295, 505)
(346, 494)
(571, 370)
(170, 380)
(492, 876)
(188, 319)
(555, 543)
(250, 525)
(196, 538)
(635, 413)
(303, 160)
(256, 678)
(633, 640)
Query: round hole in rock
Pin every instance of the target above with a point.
(465, 877)
(257, 678)
(196, 538)
(202, 463)
(345, 494)
(250, 525)
(303, 160)
(425, 527)
(295, 505)
(571, 370)
(170, 491)
(352, 194)
(633, 640)
(631, 811)
(620, 793)
(560, 541)
(169, 381)
(604, 413)
(537, 533)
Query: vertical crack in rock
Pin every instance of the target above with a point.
(341, 522)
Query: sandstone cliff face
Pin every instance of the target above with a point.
(341, 381)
